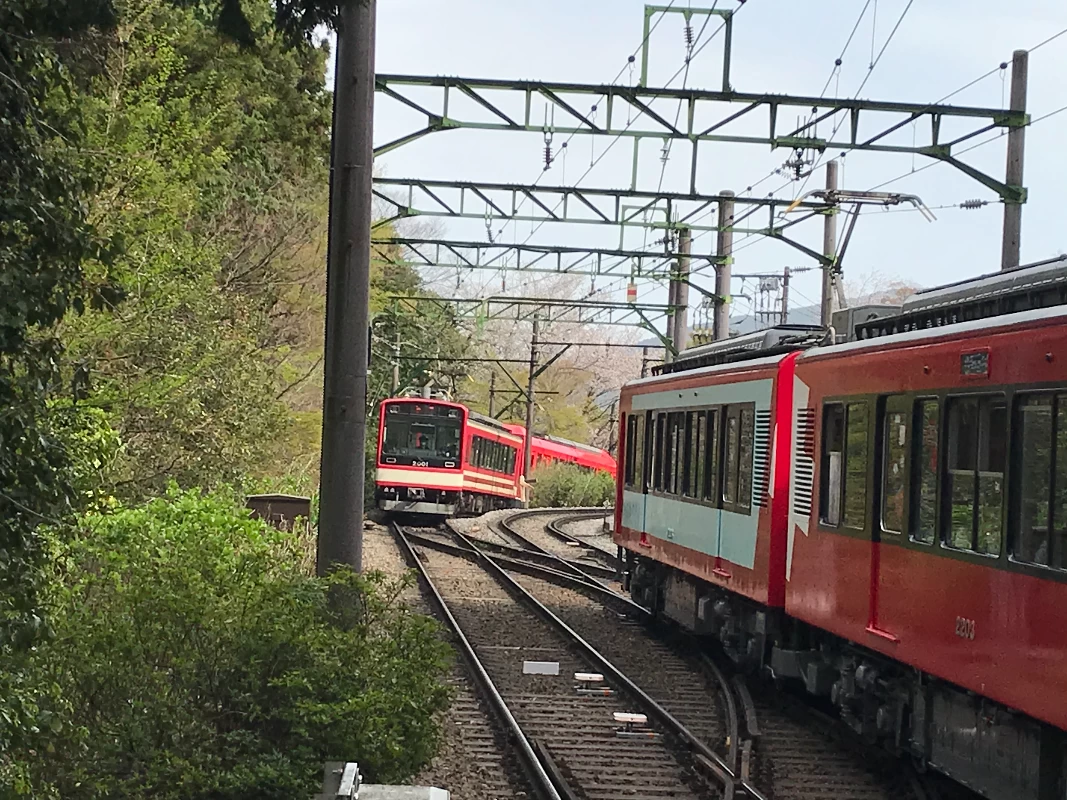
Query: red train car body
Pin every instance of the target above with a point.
(440, 458)
(902, 549)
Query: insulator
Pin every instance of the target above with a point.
(969, 204)
(688, 36)
(548, 156)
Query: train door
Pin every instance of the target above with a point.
(892, 445)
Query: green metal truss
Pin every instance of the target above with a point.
(545, 259)
(503, 202)
(869, 122)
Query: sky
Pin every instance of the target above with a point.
(938, 46)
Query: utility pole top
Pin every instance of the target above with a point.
(829, 249)
(725, 251)
(1013, 211)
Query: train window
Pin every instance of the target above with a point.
(924, 471)
(738, 433)
(894, 461)
(629, 459)
(637, 453)
(698, 437)
(744, 467)
(730, 455)
(1040, 511)
(676, 457)
(831, 469)
(658, 459)
(977, 435)
(711, 460)
(856, 465)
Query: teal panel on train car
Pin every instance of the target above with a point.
(688, 525)
(633, 510)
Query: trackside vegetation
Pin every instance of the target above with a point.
(567, 485)
(193, 655)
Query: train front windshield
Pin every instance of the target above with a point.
(422, 432)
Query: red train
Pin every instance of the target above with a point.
(882, 520)
(440, 458)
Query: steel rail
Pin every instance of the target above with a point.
(516, 555)
(506, 524)
(736, 742)
(542, 783)
(554, 527)
(732, 783)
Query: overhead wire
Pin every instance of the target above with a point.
(563, 146)
(618, 137)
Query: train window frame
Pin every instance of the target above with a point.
(711, 493)
(890, 440)
(733, 459)
(630, 444)
(831, 496)
(696, 427)
(950, 452)
(1055, 542)
(658, 456)
(918, 457)
(852, 405)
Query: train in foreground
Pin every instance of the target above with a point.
(439, 458)
(879, 518)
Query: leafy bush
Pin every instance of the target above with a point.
(202, 661)
(569, 486)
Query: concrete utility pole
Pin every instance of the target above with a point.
(644, 362)
(530, 398)
(492, 393)
(672, 312)
(829, 249)
(344, 403)
(785, 295)
(1013, 212)
(681, 295)
(721, 325)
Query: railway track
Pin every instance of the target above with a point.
(572, 731)
(784, 746)
(539, 531)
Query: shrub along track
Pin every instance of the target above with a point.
(797, 753)
(572, 736)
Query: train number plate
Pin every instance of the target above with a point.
(965, 628)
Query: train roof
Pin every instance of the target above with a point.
(925, 335)
(776, 340)
(749, 365)
(1042, 284)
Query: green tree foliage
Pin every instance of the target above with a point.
(45, 244)
(201, 660)
(570, 486)
(214, 175)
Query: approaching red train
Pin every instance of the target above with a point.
(882, 520)
(440, 458)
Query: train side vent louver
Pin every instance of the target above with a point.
(804, 462)
(761, 458)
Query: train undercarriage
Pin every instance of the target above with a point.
(982, 744)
